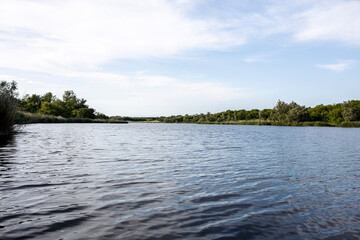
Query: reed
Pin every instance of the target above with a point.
(29, 118)
(349, 124)
(8, 110)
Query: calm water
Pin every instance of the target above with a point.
(169, 181)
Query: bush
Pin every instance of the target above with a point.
(8, 107)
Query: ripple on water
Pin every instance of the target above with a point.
(168, 181)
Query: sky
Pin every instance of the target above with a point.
(170, 57)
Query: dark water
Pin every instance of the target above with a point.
(168, 181)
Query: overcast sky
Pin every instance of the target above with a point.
(165, 57)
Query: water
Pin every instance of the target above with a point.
(169, 181)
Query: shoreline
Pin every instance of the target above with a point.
(23, 118)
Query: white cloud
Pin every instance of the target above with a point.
(258, 59)
(142, 94)
(49, 36)
(330, 20)
(10, 78)
(250, 60)
(65, 35)
(337, 67)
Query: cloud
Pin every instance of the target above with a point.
(258, 59)
(10, 78)
(250, 60)
(65, 35)
(330, 20)
(49, 36)
(154, 95)
(337, 67)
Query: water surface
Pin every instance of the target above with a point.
(179, 181)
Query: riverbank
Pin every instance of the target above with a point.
(30, 118)
(301, 124)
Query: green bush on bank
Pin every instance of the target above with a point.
(8, 107)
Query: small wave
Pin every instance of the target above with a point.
(33, 186)
(214, 198)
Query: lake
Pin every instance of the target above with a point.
(179, 181)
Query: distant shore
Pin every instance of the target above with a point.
(302, 124)
(346, 114)
(30, 118)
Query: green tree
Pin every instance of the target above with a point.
(241, 115)
(280, 111)
(297, 114)
(335, 115)
(84, 113)
(265, 114)
(8, 106)
(103, 116)
(48, 97)
(351, 111)
(319, 113)
(31, 103)
(252, 114)
(9, 88)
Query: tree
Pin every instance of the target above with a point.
(101, 116)
(351, 111)
(335, 115)
(240, 115)
(265, 114)
(297, 114)
(84, 113)
(48, 97)
(31, 103)
(8, 106)
(9, 88)
(252, 114)
(280, 111)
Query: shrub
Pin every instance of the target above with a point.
(8, 107)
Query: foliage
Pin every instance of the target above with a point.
(69, 107)
(297, 114)
(8, 106)
(49, 108)
(283, 114)
(135, 119)
(351, 111)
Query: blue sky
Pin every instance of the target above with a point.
(158, 57)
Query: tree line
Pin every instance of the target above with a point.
(285, 113)
(43, 108)
(70, 106)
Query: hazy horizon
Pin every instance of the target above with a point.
(169, 57)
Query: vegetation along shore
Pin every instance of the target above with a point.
(48, 108)
(346, 114)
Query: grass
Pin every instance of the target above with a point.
(8, 110)
(349, 124)
(299, 124)
(29, 118)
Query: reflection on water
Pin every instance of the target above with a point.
(169, 181)
(7, 149)
(6, 140)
